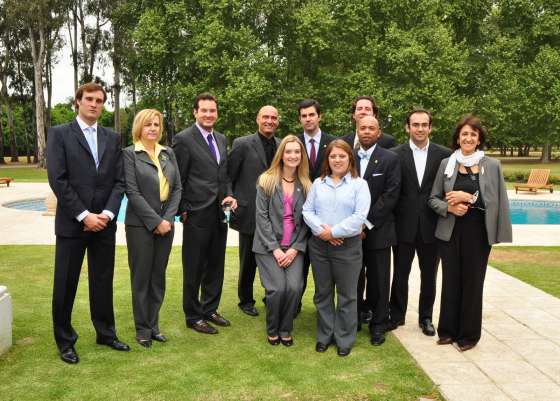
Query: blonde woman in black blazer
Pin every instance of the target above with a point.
(469, 195)
(280, 239)
(153, 188)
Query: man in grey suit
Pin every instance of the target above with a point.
(85, 170)
(202, 160)
(315, 141)
(249, 157)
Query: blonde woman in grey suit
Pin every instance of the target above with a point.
(153, 188)
(281, 236)
(469, 195)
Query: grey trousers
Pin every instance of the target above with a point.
(336, 267)
(148, 255)
(282, 292)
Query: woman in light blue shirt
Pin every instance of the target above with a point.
(335, 211)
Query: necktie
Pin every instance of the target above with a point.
(91, 139)
(312, 156)
(363, 154)
(212, 147)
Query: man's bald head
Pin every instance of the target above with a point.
(268, 120)
(368, 131)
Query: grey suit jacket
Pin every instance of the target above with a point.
(270, 221)
(142, 188)
(247, 161)
(493, 192)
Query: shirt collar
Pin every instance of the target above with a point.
(370, 150)
(413, 146)
(328, 180)
(83, 125)
(203, 131)
(317, 137)
(139, 147)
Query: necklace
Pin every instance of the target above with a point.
(288, 181)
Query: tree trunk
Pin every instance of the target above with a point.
(37, 39)
(2, 161)
(73, 34)
(12, 131)
(545, 155)
(117, 92)
(48, 81)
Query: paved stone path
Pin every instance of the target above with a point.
(517, 359)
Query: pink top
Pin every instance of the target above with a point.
(289, 224)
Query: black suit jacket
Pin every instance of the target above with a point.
(247, 161)
(383, 175)
(412, 211)
(386, 141)
(325, 140)
(75, 181)
(205, 183)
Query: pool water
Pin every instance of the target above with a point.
(522, 211)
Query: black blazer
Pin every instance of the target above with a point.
(77, 184)
(247, 161)
(205, 183)
(413, 212)
(325, 140)
(142, 188)
(383, 175)
(386, 141)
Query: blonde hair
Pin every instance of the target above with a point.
(140, 119)
(272, 178)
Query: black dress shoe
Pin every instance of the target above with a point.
(273, 340)
(249, 310)
(465, 347)
(287, 342)
(343, 351)
(145, 343)
(444, 341)
(218, 320)
(377, 338)
(202, 327)
(116, 345)
(366, 316)
(159, 338)
(69, 355)
(393, 324)
(320, 347)
(427, 327)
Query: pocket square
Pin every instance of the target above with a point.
(376, 174)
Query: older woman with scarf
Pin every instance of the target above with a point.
(469, 195)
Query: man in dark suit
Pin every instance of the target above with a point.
(315, 141)
(202, 160)
(85, 172)
(365, 106)
(249, 157)
(416, 222)
(381, 170)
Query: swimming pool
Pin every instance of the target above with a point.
(522, 211)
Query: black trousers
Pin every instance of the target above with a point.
(428, 260)
(247, 270)
(378, 280)
(464, 260)
(69, 257)
(204, 247)
(305, 273)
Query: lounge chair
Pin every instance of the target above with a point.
(6, 180)
(538, 179)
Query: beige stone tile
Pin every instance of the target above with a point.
(550, 368)
(510, 331)
(554, 311)
(508, 372)
(524, 391)
(434, 353)
(496, 315)
(550, 330)
(464, 373)
(532, 316)
(475, 392)
(510, 301)
(535, 350)
(491, 349)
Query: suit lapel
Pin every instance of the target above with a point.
(77, 131)
(221, 148)
(198, 137)
(482, 175)
(257, 145)
(409, 164)
(372, 164)
(101, 142)
(321, 151)
(431, 163)
(143, 157)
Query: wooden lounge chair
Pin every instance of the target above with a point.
(538, 179)
(6, 180)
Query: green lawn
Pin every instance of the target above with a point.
(24, 174)
(237, 364)
(537, 266)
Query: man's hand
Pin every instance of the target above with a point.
(456, 197)
(184, 217)
(163, 228)
(458, 210)
(95, 222)
(232, 201)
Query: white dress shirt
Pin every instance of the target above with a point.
(420, 156)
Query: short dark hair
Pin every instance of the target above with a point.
(418, 110)
(341, 144)
(89, 87)
(374, 105)
(309, 103)
(204, 96)
(476, 124)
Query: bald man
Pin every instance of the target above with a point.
(249, 157)
(382, 171)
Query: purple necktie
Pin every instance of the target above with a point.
(212, 147)
(313, 156)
